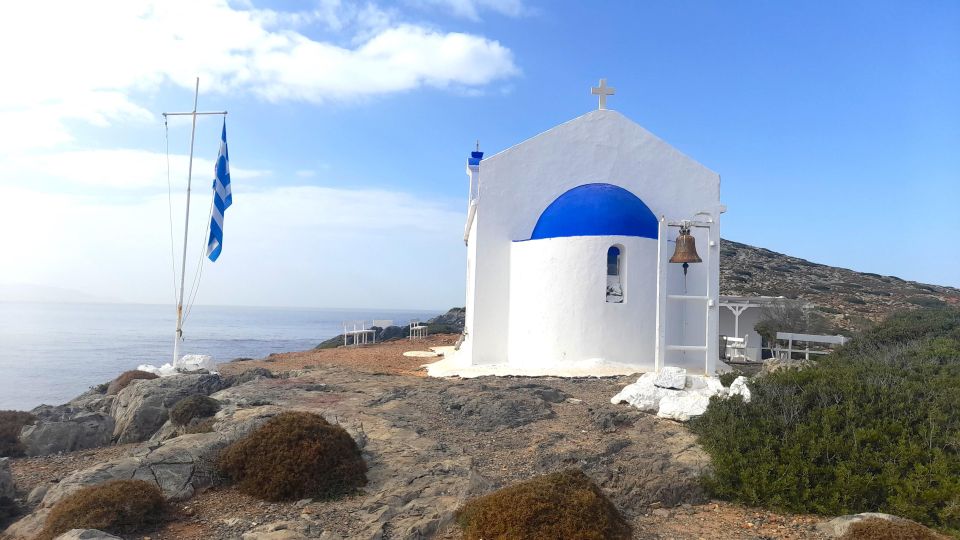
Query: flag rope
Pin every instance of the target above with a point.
(173, 256)
(198, 274)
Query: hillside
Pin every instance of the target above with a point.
(852, 300)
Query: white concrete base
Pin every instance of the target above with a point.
(422, 354)
(186, 364)
(459, 365)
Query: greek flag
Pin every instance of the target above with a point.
(222, 198)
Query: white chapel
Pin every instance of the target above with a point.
(569, 239)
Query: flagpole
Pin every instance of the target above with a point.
(186, 229)
(186, 225)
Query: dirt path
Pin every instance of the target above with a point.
(379, 358)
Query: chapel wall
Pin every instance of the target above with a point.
(549, 330)
(516, 185)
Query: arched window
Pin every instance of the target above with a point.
(614, 271)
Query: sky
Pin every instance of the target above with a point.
(835, 127)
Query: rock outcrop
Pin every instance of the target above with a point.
(838, 527)
(142, 408)
(180, 467)
(429, 445)
(82, 423)
(65, 428)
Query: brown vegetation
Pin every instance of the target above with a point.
(11, 422)
(126, 378)
(884, 529)
(563, 505)
(203, 426)
(295, 455)
(116, 507)
(197, 406)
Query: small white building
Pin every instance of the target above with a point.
(568, 236)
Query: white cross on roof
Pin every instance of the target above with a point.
(603, 91)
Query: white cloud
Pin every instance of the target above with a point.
(115, 169)
(319, 246)
(90, 63)
(471, 9)
(394, 60)
(97, 219)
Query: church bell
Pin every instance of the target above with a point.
(686, 250)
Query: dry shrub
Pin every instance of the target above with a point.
(203, 426)
(11, 422)
(557, 506)
(193, 407)
(117, 507)
(126, 378)
(885, 529)
(295, 455)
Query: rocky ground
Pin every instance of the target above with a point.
(429, 443)
(850, 300)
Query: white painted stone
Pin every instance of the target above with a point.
(187, 363)
(739, 388)
(195, 362)
(710, 386)
(672, 377)
(643, 394)
(671, 403)
(683, 406)
(539, 306)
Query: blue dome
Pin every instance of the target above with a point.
(596, 210)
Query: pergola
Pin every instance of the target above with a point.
(738, 304)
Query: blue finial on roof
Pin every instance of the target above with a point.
(475, 156)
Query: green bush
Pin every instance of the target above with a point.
(560, 506)
(11, 422)
(726, 379)
(295, 455)
(874, 426)
(927, 301)
(197, 406)
(910, 326)
(116, 507)
(127, 377)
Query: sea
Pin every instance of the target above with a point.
(51, 352)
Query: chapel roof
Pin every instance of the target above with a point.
(598, 209)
